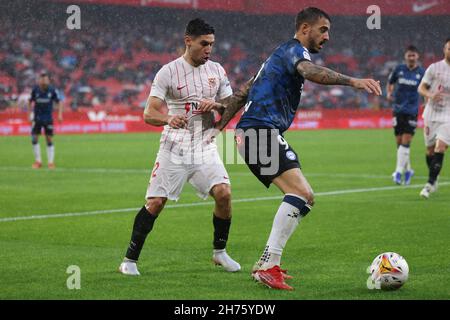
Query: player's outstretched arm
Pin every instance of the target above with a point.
(154, 115)
(233, 104)
(326, 76)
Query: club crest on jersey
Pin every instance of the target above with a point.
(290, 155)
(212, 82)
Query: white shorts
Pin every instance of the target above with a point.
(434, 130)
(171, 172)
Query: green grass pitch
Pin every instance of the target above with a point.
(359, 213)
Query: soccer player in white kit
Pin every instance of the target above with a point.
(435, 87)
(190, 86)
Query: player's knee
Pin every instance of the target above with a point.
(440, 148)
(222, 194)
(310, 197)
(34, 140)
(155, 205)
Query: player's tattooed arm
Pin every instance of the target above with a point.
(233, 104)
(322, 75)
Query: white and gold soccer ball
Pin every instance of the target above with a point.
(388, 271)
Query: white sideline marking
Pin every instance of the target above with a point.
(147, 171)
(205, 203)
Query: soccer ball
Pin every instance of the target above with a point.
(388, 271)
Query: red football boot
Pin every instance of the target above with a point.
(273, 278)
(285, 275)
(36, 165)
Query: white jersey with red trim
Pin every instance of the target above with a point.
(182, 86)
(437, 76)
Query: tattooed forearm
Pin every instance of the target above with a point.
(233, 104)
(322, 75)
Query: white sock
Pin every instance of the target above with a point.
(218, 251)
(37, 152)
(284, 224)
(50, 154)
(408, 165)
(402, 158)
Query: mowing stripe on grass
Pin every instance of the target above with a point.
(206, 203)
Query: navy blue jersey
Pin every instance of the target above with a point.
(43, 103)
(275, 94)
(406, 97)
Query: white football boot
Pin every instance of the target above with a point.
(129, 268)
(427, 190)
(220, 257)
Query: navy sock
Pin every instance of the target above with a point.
(221, 230)
(143, 224)
(429, 159)
(435, 167)
(298, 203)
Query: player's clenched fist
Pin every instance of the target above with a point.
(177, 121)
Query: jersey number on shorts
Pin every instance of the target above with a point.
(283, 142)
(154, 169)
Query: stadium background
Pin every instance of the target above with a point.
(104, 71)
(81, 213)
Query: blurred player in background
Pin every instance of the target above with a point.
(435, 88)
(273, 97)
(43, 96)
(183, 83)
(402, 92)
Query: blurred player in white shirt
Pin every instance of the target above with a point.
(435, 87)
(190, 86)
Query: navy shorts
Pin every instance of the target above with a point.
(404, 123)
(266, 153)
(37, 126)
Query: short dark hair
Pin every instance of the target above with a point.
(198, 27)
(310, 15)
(412, 48)
(446, 41)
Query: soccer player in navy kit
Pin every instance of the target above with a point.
(273, 97)
(402, 91)
(43, 95)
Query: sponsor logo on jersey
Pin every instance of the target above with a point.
(407, 82)
(192, 106)
(42, 100)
